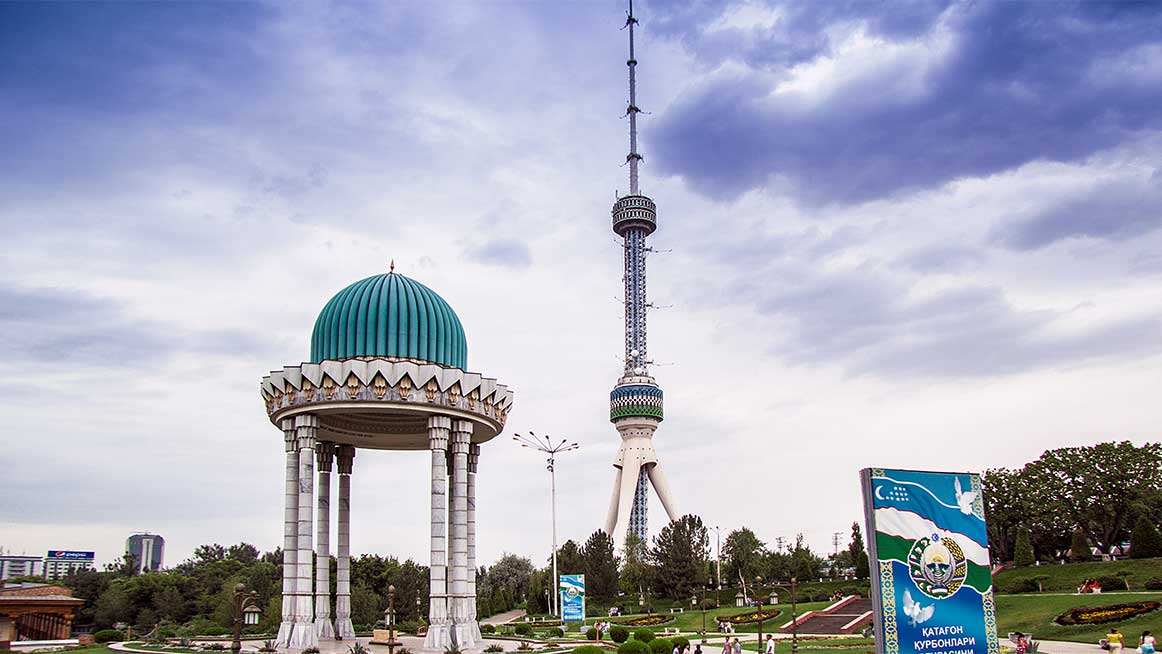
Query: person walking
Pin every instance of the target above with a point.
(735, 646)
(1146, 644)
(698, 649)
(1117, 641)
(770, 644)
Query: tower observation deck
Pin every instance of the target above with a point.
(635, 404)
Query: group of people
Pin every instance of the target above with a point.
(732, 646)
(726, 627)
(1089, 586)
(1115, 641)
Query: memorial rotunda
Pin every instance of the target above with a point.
(387, 372)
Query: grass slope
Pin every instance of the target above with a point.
(1067, 578)
(1034, 613)
(692, 620)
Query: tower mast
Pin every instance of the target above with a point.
(635, 404)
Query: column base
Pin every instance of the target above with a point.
(344, 630)
(284, 633)
(303, 636)
(324, 628)
(439, 638)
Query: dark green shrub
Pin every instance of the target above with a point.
(643, 635)
(1153, 583)
(1145, 542)
(557, 632)
(1079, 547)
(618, 633)
(588, 649)
(820, 596)
(591, 633)
(660, 646)
(634, 646)
(1108, 582)
(1018, 586)
(523, 630)
(108, 636)
(487, 628)
(494, 648)
(413, 626)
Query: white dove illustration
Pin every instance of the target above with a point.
(917, 613)
(964, 500)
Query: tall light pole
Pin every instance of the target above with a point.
(545, 445)
(718, 565)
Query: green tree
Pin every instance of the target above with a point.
(1099, 487)
(1023, 554)
(804, 563)
(600, 565)
(1146, 543)
(512, 573)
(1079, 547)
(680, 552)
(858, 552)
(636, 573)
(743, 554)
(569, 559)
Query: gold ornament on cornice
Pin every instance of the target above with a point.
(454, 394)
(379, 386)
(328, 387)
(405, 387)
(308, 389)
(430, 390)
(290, 393)
(352, 386)
(472, 399)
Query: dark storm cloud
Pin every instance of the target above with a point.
(1021, 82)
(870, 320)
(1116, 209)
(59, 326)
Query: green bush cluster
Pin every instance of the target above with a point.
(660, 646)
(588, 649)
(108, 636)
(487, 628)
(618, 633)
(1018, 586)
(643, 635)
(634, 646)
(591, 633)
(523, 629)
(557, 632)
(1108, 582)
(1153, 583)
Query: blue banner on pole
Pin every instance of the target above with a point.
(573, 598)
(932, 587)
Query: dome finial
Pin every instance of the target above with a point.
(391, 266)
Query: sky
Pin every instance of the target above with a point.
(915, 235)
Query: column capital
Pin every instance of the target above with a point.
(438, 427)
(345, 456)
(305, 427)
(473, 457)
(461, 436)
(288, 433)
(324, 454)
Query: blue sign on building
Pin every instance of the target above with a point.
(71, 555)
(932, 587)
(573, 598)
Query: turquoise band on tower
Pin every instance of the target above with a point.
(389, 315)
(635, 400)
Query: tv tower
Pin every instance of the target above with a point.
(635, 403)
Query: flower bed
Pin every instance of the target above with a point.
(749, 617)
(644, 620)
(1103, 614)
(540, 624)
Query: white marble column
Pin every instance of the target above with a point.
(462, 632)
(290, 530)
(325, 453)
(345, 456)
(473, 462)
(439, 635)
(303, 635)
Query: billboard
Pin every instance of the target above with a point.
(70, 555)
(572, 598)
(928, 549)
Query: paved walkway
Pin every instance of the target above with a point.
(503, 618)
(1062, 647)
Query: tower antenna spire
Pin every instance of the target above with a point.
(632, 109)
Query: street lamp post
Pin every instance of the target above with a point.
(794, 621)
(245, 610)
(758, 583)
(389, 619)
(545, 445)
(718, 563)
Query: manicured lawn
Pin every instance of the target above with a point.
(1034, 613)
(692, 620)
(1067, 578)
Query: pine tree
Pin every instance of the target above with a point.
(600, 566)
(858, 554)
(1079, 547)
(1145, 543)
(1023, 552)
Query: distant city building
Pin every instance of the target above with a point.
(12, 565)
(147, 551)
(59, 564)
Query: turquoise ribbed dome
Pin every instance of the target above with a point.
(389, 316)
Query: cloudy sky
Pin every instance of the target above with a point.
(895, 234)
